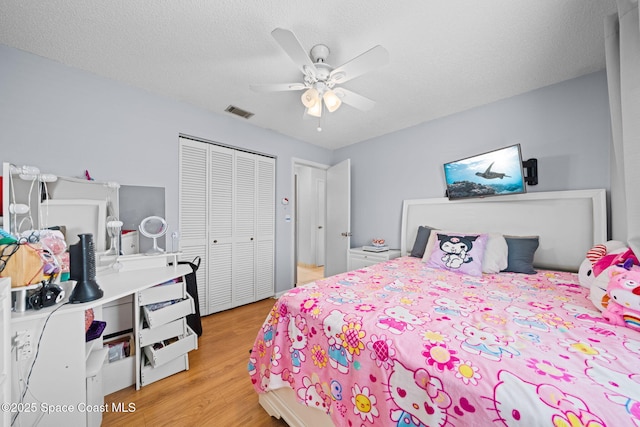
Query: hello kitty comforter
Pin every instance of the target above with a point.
(401, 344)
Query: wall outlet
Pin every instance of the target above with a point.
(24, 344)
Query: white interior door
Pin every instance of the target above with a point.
(220, 213)
(338, 218)
(193, 220)
(265, 226)
(244, 228)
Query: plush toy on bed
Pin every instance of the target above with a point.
(624, 293)
(599, 259)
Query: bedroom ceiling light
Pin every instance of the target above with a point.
(316, 109)
(313, 99)
(322, 82)
(331, 100)
(310, 98)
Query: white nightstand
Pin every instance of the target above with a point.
(359, 258)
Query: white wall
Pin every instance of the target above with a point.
(565, 126)
(65, 120)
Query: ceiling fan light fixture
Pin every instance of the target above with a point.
(310, 98)
(331, 100)
(320, 79)
(316, 109)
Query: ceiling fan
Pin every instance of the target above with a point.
(321, 81)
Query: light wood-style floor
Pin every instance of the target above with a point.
(215, 391)
(309, 274)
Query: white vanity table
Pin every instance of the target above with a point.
(70, 376)
(5, 348)
(67, 376)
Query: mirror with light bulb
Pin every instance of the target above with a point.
(33, 199)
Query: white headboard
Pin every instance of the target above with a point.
(569, 223)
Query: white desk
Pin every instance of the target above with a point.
(64, 360)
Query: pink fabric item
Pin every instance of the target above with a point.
(400, 343)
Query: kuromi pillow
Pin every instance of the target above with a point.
(495, 254)
(458, 252)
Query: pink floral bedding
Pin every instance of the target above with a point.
(401, 344)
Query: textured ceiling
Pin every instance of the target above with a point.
(446, 56)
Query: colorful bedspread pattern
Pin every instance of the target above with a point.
(401, 344)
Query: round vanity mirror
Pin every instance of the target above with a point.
(153, 227)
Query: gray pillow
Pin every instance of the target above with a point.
(420, 244)
(521, 252)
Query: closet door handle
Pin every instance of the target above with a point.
(215, 241)
(252, 239)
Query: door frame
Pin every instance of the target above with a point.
(321, 221)
(294, 235)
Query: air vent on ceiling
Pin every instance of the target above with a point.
(238, 112)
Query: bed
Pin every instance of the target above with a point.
(403, 343)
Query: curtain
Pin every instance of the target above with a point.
(622, 45)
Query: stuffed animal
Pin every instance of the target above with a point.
(615, 258)
(624, 293)
(53, 242)
(593, 279)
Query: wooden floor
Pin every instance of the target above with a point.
(309, 274)
(215, 391)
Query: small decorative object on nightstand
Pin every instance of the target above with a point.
(360, 258)
(377, 245)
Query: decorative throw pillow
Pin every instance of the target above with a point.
(458, 252)
(521, 252)
(421, 241)
(431, 243)
(495, 254)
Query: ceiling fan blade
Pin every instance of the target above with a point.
(373, 58)
(357, 101)
(292, 46)
(277, 87)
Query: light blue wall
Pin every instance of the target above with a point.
(565, 126)
(65, 120)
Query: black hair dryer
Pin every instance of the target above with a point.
(82, 269)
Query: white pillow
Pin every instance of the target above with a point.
(495, 254)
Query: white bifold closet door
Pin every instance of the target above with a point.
(193, 211)
(231, 227)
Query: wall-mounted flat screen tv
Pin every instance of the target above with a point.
(495, 173)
